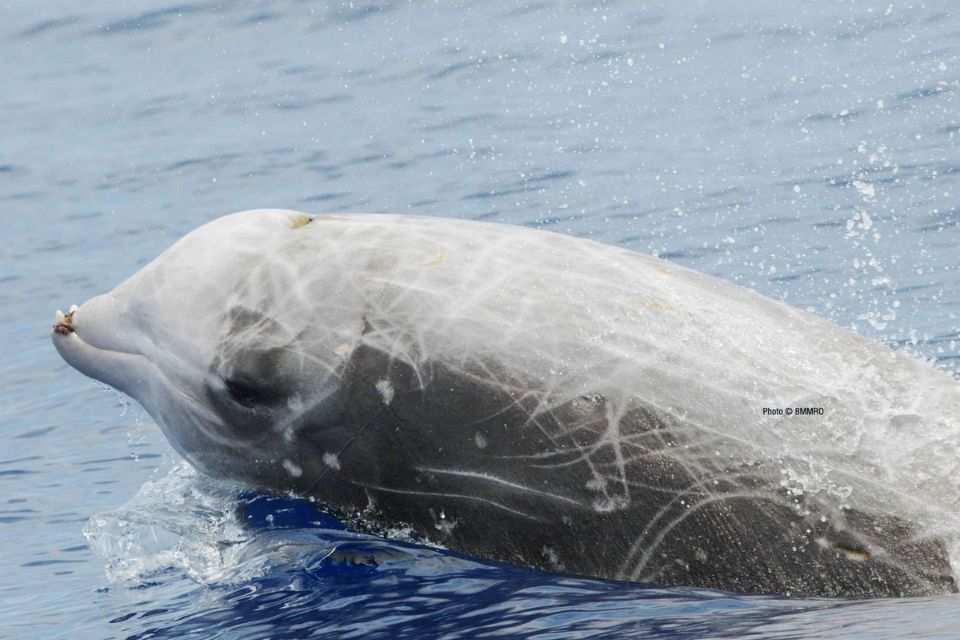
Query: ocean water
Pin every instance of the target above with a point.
(810, 151)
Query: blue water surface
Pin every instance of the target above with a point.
(807, 150)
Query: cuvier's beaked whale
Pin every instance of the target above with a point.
(540, 399)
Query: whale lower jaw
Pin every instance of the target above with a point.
(122, 370)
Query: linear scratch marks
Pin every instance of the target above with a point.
(388, 339)
(612, 437)
(655, 543)
(337, 456)
(500, 481)
(453, 496)
(678, 501)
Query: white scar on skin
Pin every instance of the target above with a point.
(386, 391)
(292, 468)
(331, 460)
(490, 478)
(456, 496)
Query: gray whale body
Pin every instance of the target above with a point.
(533, 398)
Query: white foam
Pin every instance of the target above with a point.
(181, 520)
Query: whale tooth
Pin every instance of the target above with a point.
(60, 317)
(73, 309)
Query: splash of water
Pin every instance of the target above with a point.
(182, 520)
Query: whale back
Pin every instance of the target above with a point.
(532, 382)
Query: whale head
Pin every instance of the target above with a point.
(222, 341)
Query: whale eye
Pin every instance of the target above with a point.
(247, 392)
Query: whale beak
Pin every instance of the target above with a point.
(90, 340)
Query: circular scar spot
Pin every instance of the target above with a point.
(386, 390)
(292, 468)
(295, 403)
(331, 460)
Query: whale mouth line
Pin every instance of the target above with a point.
(65, 326)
